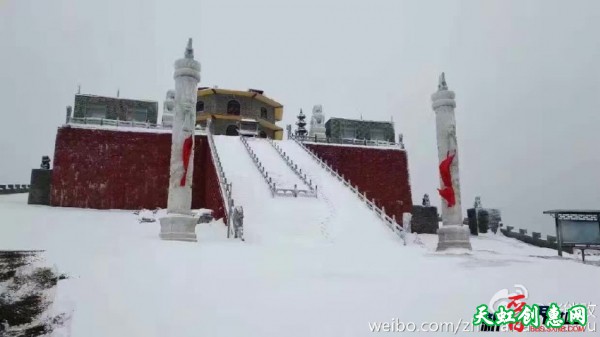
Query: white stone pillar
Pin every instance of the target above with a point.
(179, 224)
(453, 234)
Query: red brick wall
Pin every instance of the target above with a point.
(205, 184)
(380, 173)
(107, 169)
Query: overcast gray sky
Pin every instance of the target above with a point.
(526, 76)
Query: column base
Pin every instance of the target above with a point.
(178, 227)
(453, 238)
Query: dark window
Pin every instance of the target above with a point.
(263, 134)
(263, 113)
(140, 114)
(348, 132)
(231, 130)
(377, 134)
(95, 111)
(199, 106)
(233, 108)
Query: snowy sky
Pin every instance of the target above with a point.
(526, 76)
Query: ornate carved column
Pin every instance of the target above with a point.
(453, 234)
(180, 224)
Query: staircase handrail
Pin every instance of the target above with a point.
(390, 222)
(295, 192)
(290, 163)
(225, 188)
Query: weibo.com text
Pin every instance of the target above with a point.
(396, 325)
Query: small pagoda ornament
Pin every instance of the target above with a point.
(301, 130)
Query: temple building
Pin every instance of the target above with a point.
(114, 108)
(227, 108)
(342, 128)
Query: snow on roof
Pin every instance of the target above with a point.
(359, 120)
(203, 91)
(572, 211)
(118, 98)
(248, 120)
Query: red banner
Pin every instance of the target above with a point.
(447, 192)
(187, 151)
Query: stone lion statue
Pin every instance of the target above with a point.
(169, 109)
(238, 222)
(317, 122)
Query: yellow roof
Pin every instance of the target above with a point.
(259, 97)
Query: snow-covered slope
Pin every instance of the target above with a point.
(351, 221)
(336, 216)
(282, 175)
(276, 220)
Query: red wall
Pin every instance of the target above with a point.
(380, 173)
(107, 169)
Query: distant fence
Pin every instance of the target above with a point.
(14, 188)
(535, 238)
(348, 141)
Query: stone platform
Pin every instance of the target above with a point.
(178, 227)
(452, 237)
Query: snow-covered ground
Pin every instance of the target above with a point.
(309, 267)
(124, 281)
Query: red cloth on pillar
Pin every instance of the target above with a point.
(447, 192)
(187, 151)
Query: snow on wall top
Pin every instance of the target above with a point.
(376, 147)
(117, 128)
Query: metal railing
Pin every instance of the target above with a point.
(294, 167)
(390, 222)
(295, 192)
(224, 186)
(347, 141)
(14, 188)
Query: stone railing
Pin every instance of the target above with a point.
(294, 192)
(348, 141)
(294, 167)
(224, 185)
(14, 188)
(390, 222)
(114, 122)
(535, 238)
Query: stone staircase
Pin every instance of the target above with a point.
(275, 191)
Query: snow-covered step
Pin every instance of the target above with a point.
(275, 166)
(352, 221)
(278, 221)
